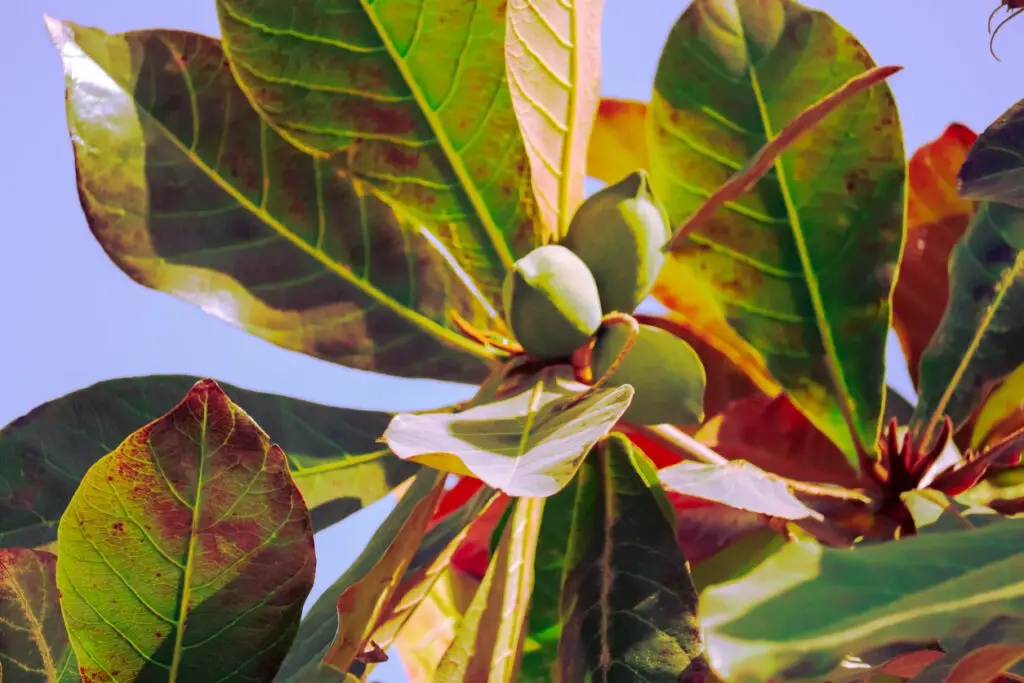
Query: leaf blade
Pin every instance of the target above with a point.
(618, 142)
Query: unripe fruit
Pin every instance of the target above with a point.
(551, 302)
(666, 374)
(619, 233)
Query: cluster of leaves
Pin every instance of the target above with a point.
(352, 180)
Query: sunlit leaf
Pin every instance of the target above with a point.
(778, 264)
(1002, 413)
(189, 192)
(618, 143)
(333, 454)
(553, 53)
(628, 601)
(34, 645)
(912, 592)
(416, 95)
(737, 559)
(528, 445)
(187, 552)
(936, 218)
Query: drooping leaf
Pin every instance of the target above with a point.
(770, 625)
(189, 192)
(553, 56)
(936, 218)
(332, 452)
(416, 95)
(489, 639)
(778, 264)
(993, 171)
(628, 602)
(187, 552)
(618, 143)
(528, 445)
(34, 645)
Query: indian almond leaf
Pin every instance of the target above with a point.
(928, 588)
(618, 142)
(528, 445)
(553, 58)
(34, 645)
(993, 171)
(980, 658)
(779, 262)
(415, 93)
(628, 603)
(936, 219)
(189, 192)
(336, 625)
(1002, 413)
(332, 452)
(187, 552)
(489, 639)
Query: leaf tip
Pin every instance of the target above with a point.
(58, 30)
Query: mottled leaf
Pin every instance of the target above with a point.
(415, 93)
(994, 169)
(34, 645)
(778, 264)
(333, 454)
(189, 192)
(1002, 413)
(489, 638)
(936, 218)
(618, 143)
(553, 56)
(628, 601)
(187, 552)
(938, 586)
(528, 445)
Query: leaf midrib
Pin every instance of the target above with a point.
(568, 146)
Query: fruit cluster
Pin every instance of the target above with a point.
(561, 297)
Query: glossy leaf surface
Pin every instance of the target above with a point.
(332, 452)
(187, 552)
(189, 192)
(769, 625)
(553, 54)
(528, 445)
(628, 602)
(416, 94)
(618, 142)
(34, 645)
(778, 263)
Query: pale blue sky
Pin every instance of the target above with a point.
(73, 319)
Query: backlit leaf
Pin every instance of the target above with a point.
(618, 143)
(779, 262)
(1003, 411)
(187, 552)
(333, 454)
(528, 445)
(415, 93)
(189, 192)
(912, 592)
(994, 171)
(628, 602)
(936, 218)
(34, 644)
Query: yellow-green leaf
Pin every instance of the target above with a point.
(618, 143)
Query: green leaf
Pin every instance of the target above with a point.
(189, 192)
(416, 95)
(187, 552)
(489, 639)
(34, 644)
(933, 587)
(339, 624)
(994, 169)
(553, 54)
(528, 445)
(628, 602)
(333, 453)
(779, 262)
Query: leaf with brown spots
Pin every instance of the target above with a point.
(187, 552)
(936, 219)
(190, 192)
(34, 645)
(414, 95)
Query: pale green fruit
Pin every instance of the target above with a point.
(619, 232)
(551, 302)
(665, 372)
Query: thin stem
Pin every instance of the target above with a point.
(634, 331)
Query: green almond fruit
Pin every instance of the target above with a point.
(666, 374)
(619, 232)
(551, 302)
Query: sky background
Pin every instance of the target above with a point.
(73, 319)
